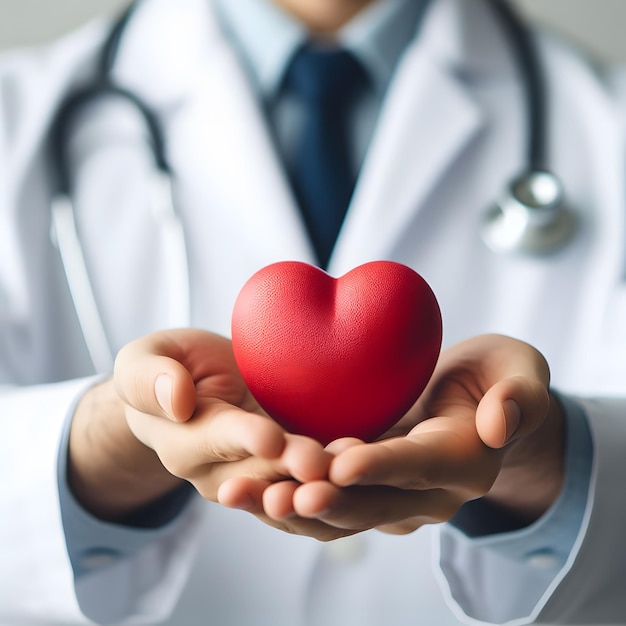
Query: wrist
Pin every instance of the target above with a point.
(533, 470)
(109, 471)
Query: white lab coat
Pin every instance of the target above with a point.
(451, 133)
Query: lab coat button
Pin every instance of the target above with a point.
(346, 550)
(97, 558)
(543, 559)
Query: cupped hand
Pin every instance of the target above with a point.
(177, 410)
(184, 399)
(485, 427)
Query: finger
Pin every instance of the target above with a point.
(278, 500)
(362, 508)
(276, 509)
(339, 445)
(218, 432)
(164, 372)
(242, 492)
(302, 459)
(305, 459)
(512, 409)
(440, 453)
(150, 377)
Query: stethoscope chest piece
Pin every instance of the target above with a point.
(530, 218)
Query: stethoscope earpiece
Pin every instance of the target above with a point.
(530, 218)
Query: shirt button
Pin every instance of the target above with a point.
(97, 558)
(346, 550)
(543, 559)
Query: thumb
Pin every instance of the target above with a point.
(148, 377)
(513, 408)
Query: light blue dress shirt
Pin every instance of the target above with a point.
(265, 38)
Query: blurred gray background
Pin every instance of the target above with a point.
(599, 25)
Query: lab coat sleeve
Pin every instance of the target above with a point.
(37, 585)
(499, 580)
(142, 569)
(127, 576)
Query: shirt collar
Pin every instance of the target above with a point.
(266, 37)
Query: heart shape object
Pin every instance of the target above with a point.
(330, 358)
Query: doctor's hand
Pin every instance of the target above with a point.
(486, 428)
(178, 411)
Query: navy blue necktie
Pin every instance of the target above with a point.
(326, 82)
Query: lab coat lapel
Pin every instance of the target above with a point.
(219, 145)
(236, 159)
(426, 123)
(428, 118)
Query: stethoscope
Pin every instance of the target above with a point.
(530, 218)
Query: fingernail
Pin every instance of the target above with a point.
(358, 479)
(163, 393)
(513, 416)
(246, 503)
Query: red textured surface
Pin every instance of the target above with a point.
(330, 357)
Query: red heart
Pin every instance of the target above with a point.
(330, 358)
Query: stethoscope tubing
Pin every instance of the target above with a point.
(65, 235)
(532, 77)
